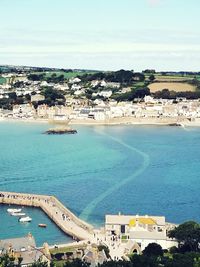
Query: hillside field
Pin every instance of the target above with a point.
(2, 80)
(67, 75)
(171, 86)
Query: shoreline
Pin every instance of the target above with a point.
(126, 121)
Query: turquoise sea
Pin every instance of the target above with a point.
(131, 169)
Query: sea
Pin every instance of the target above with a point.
(101, 170)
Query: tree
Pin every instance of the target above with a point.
(151, 78)
(153, 249)
(144, 261)
(12, 95)
(36, 77)
(76, 263)
(187, 235)
(39, 264)
(52, 96)
(138, 77)
(179, 260)
(119, 263)
(7, 261)
(141, 92)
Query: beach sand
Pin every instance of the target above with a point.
(115, 121)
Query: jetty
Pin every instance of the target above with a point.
(66, 220)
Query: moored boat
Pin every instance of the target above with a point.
(14, 210)
(25, 219)
(20, 214)
(43, 225)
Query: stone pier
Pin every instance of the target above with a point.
(67, 221)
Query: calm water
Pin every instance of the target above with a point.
(132, 169)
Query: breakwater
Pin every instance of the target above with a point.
(66, 220)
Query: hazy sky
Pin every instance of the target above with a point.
(101, 34)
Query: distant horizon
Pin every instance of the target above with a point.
(90, 69)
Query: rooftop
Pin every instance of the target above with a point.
(127, 219)
(18, 244)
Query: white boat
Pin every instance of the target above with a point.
(18, 214)
(14, 210)
(25, 219)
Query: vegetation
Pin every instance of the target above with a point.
(188, 236)
(166, 94)
(7, 103)
(52, 96)
(153, 249)
(2, 80)
(62, 250)
(6, 261)
(139, 92)
(76, 263)
(151, 78)
(124, 77)
(56, 76)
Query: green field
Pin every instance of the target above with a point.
(138, 84)
(67, 75)
(2, 80)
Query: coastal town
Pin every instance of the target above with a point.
(123, 239)
(97, 97)
(120, 236)
(87, 97)
(99, 133)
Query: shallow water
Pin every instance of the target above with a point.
(132, 169)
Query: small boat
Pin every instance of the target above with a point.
(20, 214)
(14, 210)
(25, 219)
(42, 225)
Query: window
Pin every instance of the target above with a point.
(123, 229)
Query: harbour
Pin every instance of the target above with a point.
(88, 180)
(62, 217)
(121, 233)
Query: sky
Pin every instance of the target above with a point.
(101, 34)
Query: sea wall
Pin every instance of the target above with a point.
(75, 227)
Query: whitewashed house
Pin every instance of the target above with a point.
(141, 229)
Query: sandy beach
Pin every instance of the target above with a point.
(114, 121)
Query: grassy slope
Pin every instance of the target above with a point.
(67, 75)
(2, 80)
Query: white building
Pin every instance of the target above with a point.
(94, 83)
(76, 87)
(112, 85)
(79, 92)
(141, 229)
(37, 97)
(74, 80)
(106, 94)
(23, 111)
